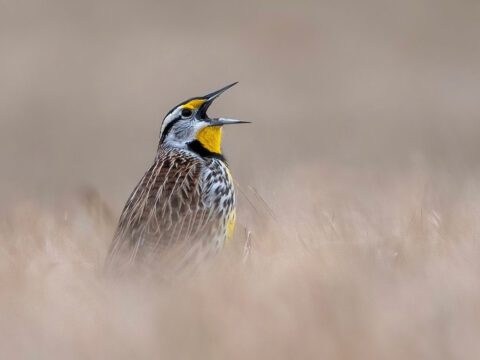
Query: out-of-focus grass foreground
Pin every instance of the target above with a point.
(358, 180)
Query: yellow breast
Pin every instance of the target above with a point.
(211, 138)
(231, 220)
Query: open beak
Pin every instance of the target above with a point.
(224, 121)
(202, 111)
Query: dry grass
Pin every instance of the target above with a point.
(359, 173)
(387, 268)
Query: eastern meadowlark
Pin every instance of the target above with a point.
(183, 208)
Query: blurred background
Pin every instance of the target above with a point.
(84, 86)
(358, 179)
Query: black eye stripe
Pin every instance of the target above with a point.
(169, 127)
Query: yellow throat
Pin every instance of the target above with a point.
(211, 138)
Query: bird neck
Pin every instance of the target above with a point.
(210, 138)
(197, 147)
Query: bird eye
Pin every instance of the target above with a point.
(186, 112)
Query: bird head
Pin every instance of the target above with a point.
(188, 126)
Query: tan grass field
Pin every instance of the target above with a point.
(358, 180)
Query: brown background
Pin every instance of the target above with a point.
(84, 86)
(358, 179)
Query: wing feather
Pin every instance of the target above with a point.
(165, 210)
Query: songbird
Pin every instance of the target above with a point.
(183, 208)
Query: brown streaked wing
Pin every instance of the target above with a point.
(164, 211)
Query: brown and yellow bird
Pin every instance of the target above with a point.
(183, 208)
